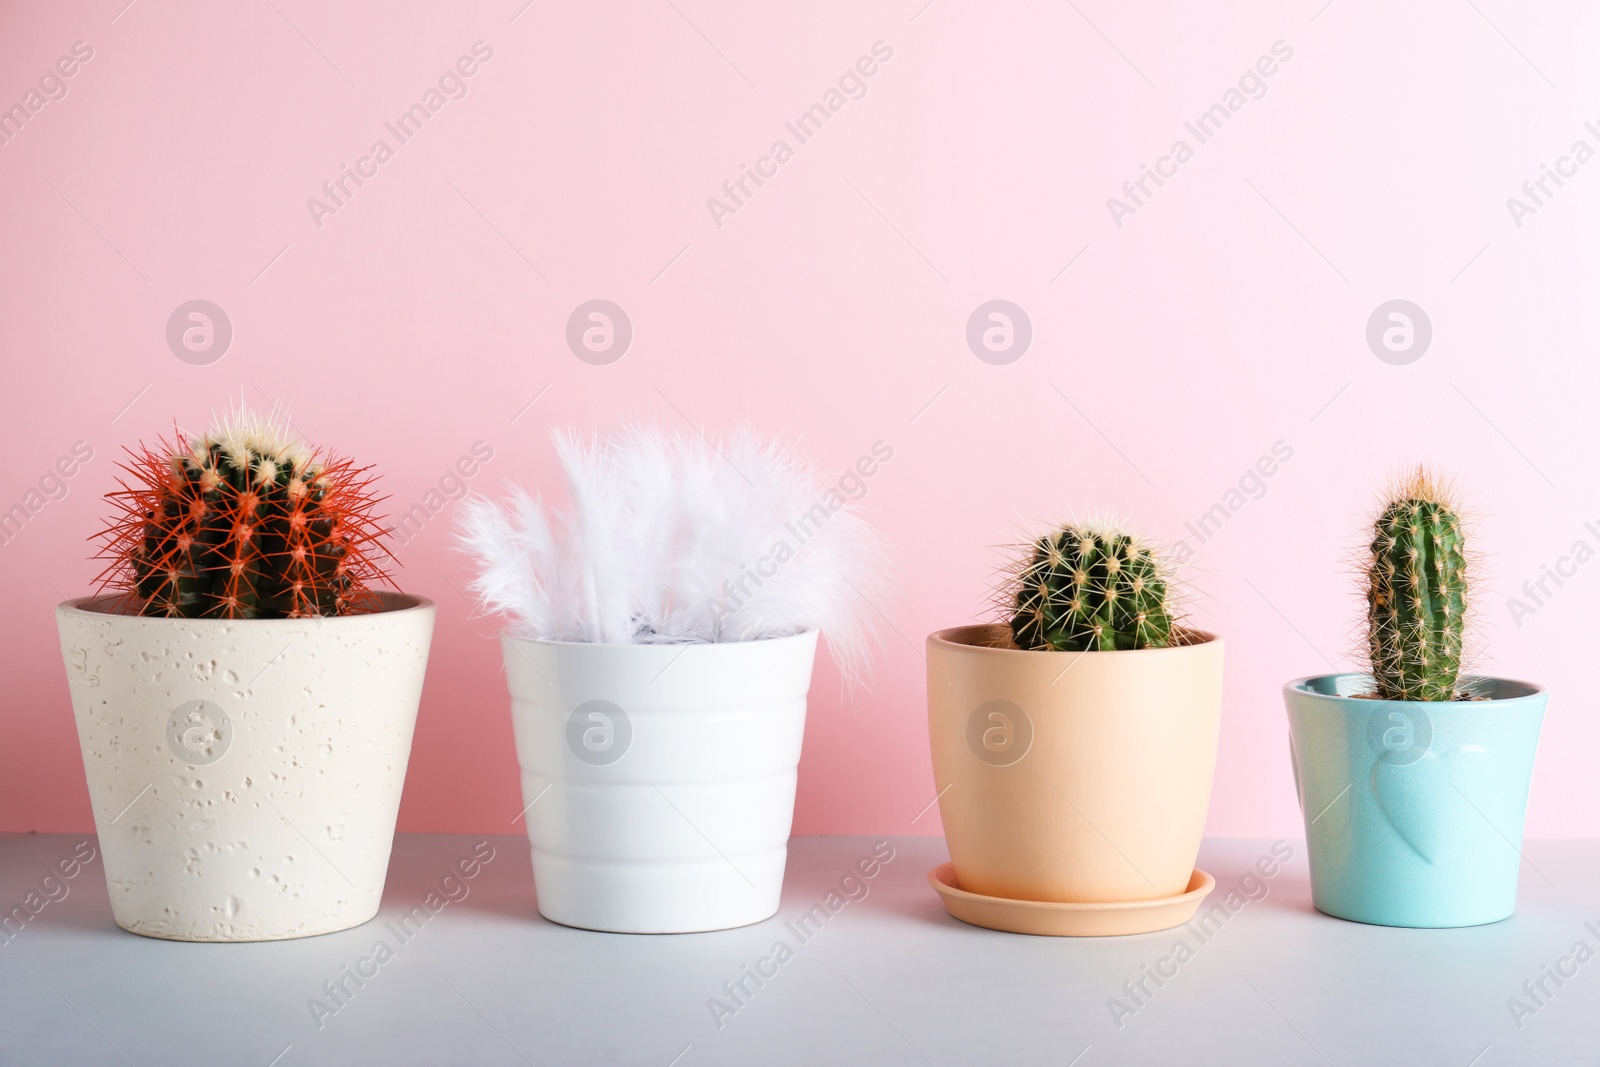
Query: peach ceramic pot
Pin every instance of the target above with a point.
(1079, 777)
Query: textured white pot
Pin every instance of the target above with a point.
(659, 779)
(245, 775)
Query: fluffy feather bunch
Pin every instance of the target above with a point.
(673, 539)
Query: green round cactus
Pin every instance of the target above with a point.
(1417, 594)
(1091, 589)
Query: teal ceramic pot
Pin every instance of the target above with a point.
(1413, 810)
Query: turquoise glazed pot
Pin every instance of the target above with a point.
(1413, 810)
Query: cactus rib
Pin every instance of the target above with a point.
(244, 523)
(1417, 595)
(1091, 589)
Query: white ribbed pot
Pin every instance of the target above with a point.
(245, 774)
(659, 779)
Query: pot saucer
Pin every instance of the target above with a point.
(1070, 920)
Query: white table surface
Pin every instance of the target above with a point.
(888, 979)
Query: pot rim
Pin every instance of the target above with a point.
(947, 638)
(394, 601)
(1298, 687)
(673, 646)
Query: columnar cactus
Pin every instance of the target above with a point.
(1417, 594)
(247, 522)
(1091, 589)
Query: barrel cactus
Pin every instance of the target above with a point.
(1092, 588)
(1417, 594)
(247, 522)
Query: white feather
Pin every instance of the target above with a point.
(678, 539)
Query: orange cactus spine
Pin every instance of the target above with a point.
(244, 523)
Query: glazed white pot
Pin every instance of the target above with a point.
(659, 779)
(245, 774)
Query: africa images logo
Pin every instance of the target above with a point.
(1251, 85)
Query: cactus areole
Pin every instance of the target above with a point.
(1417, 594)
(246, 522)
(1087, 589)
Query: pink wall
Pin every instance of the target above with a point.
(1225, 314)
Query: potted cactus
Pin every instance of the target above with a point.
(1074, 744)
(1413, 777)
(659, 652)
(244, 697)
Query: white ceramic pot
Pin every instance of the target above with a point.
(245, 775)
(659, 779)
